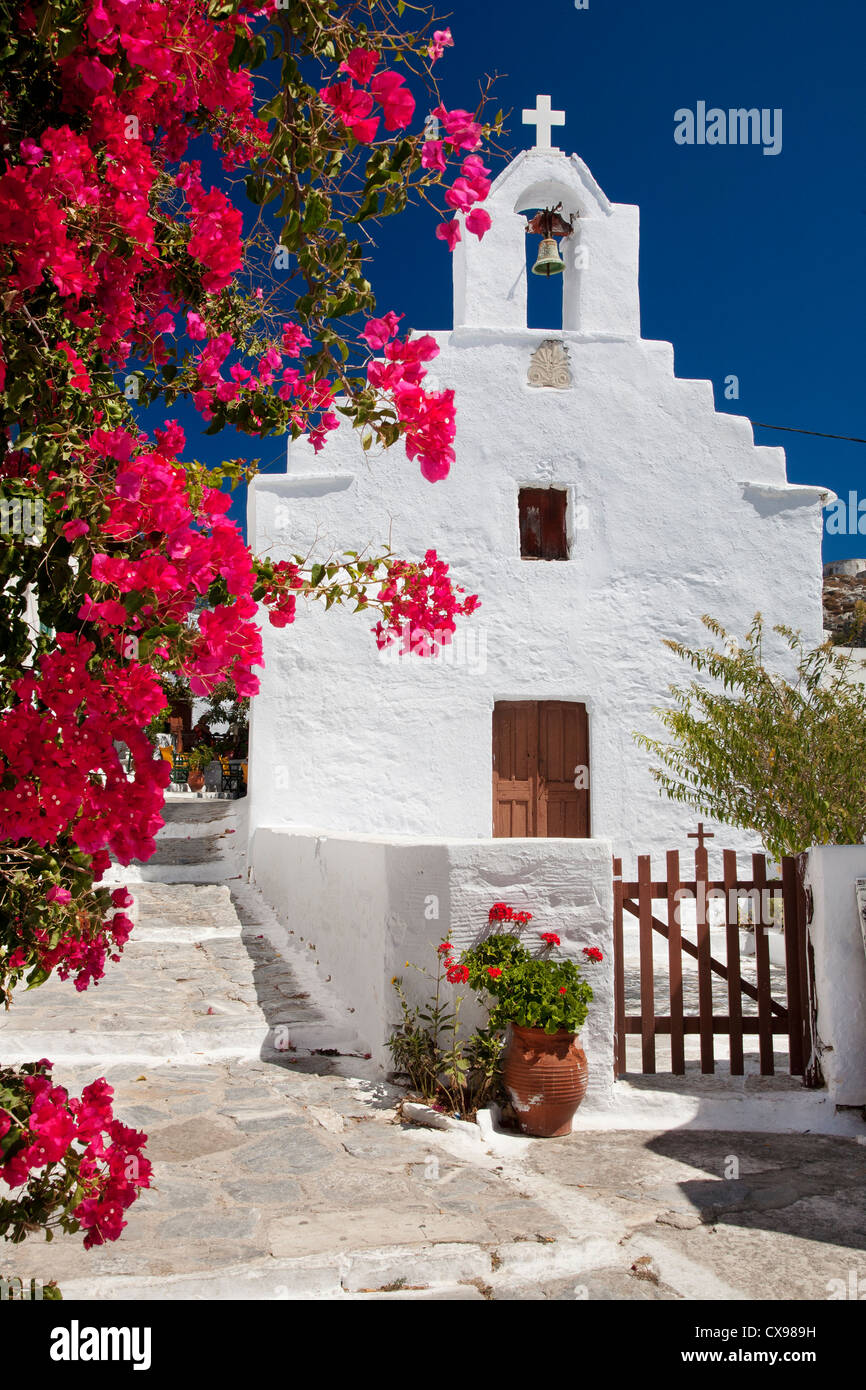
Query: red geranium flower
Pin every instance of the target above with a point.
(550, 938)
(494, 972)
(592, 953)
(445, 948)
(562, 989)
(458, 975)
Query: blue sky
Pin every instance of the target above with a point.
(751, 264)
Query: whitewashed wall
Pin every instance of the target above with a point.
(840, 968)
(683, 516)
(370, 904)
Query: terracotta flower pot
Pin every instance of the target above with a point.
(195, 780)
(545, 1075)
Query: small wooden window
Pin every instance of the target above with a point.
(543, 533)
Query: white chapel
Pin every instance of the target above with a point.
(598, 505)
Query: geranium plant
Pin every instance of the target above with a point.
(460, 1074)
(529, 990)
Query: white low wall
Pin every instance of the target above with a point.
(370, 904)
(840, 968)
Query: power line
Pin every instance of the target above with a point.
(791, 429)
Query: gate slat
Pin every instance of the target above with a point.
(705, 977)
(732, 932)
(647, 988)
(812, 1074)
(762, 960)
(619, 1061)
(675, 966)
(795, 927)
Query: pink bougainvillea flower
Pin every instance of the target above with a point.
(461, 130)
(353, 107)
(294, 338)
(478, 222)
(31, 153)
(94, 74)
(80, 379)
(441, 40)
(433, 156)
(436, 469)
(58, 895)
(449, 232)
(461, 195)
(473, 168)
(360, 64)
(378, 332)
(397, 102)
(98, 23)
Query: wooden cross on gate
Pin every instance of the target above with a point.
(700, 835)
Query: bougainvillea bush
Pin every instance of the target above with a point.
(74, 1165)
(184, 188)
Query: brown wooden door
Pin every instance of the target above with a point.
(539, 750)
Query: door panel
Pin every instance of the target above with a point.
(515, 763)
(537, 749)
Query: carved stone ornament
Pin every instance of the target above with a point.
(549, 365)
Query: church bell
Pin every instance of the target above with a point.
(549, 261)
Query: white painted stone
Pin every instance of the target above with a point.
(365, 902)
(840, 968)
(425, 1115)
(684, 516)
(724, 1104)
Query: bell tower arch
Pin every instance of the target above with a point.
(600, 278)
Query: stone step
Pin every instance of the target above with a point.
(435, 1271)
(215, 1038)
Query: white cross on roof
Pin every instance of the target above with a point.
(543, 118)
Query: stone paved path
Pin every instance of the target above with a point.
(283, 1170)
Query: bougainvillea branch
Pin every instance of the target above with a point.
(133, 275)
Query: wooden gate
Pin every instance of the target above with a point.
(540, 769)
(766, 1016)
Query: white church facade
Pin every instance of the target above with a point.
(656, 509)
(598, 505)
